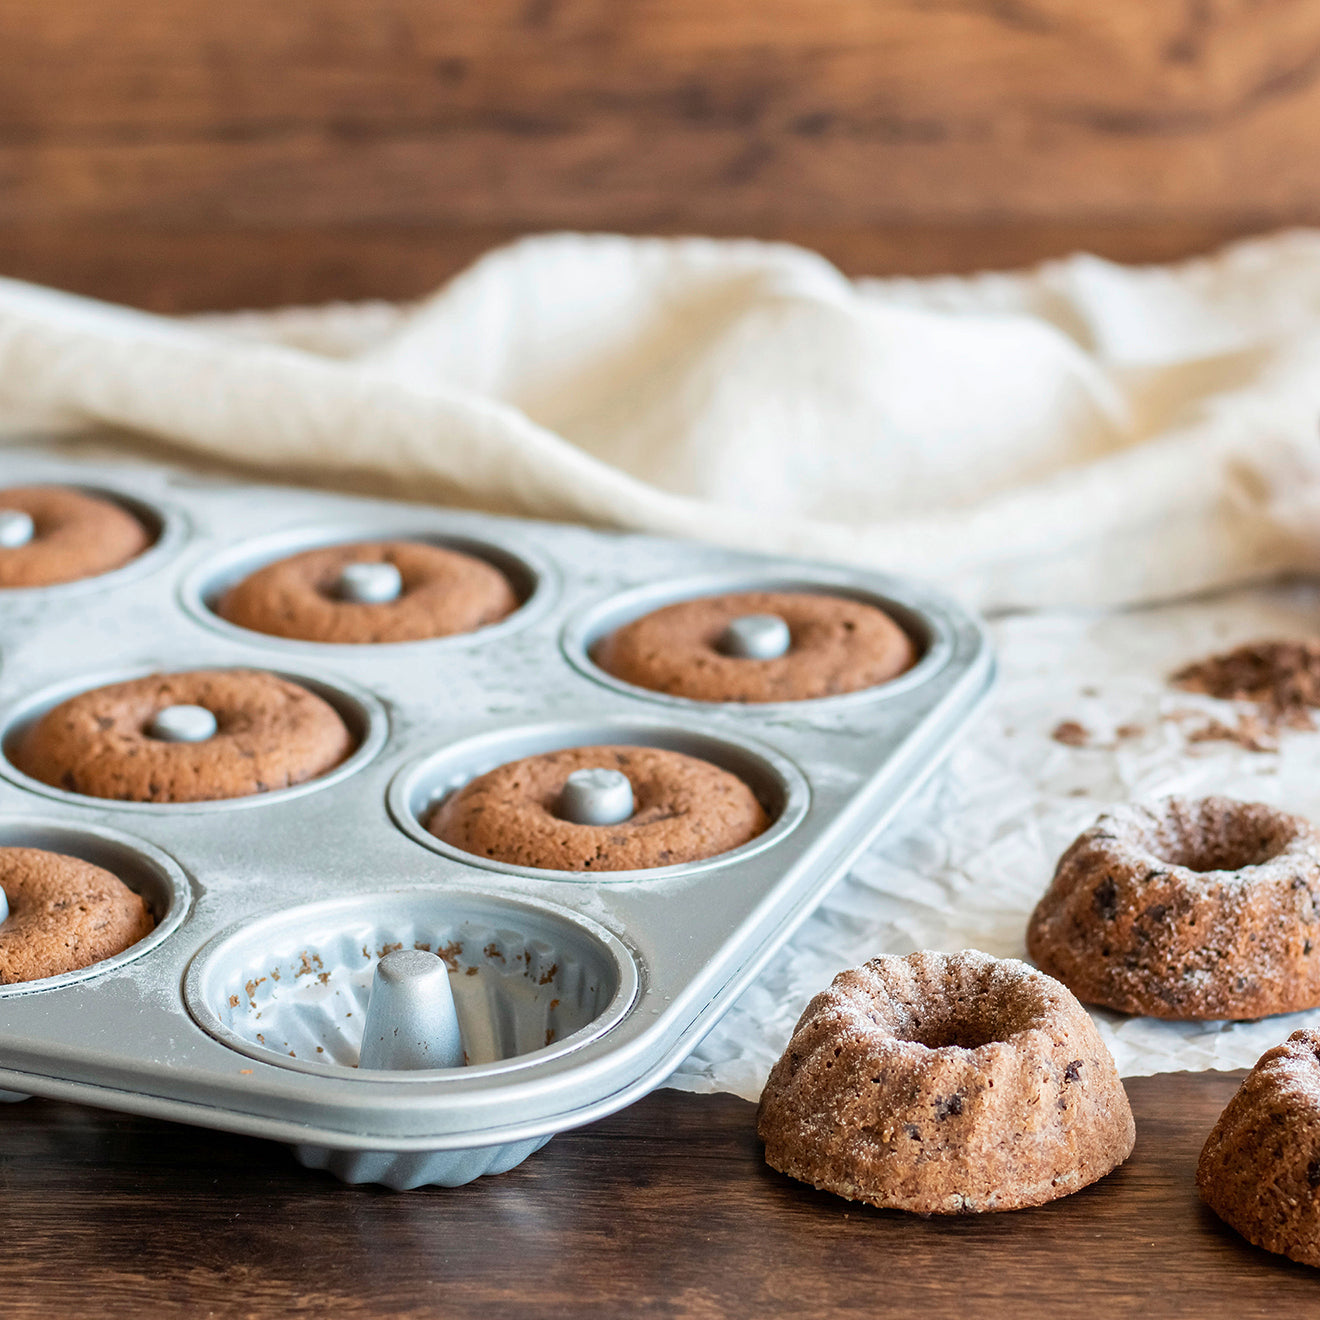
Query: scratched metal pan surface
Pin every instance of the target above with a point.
(576, 992)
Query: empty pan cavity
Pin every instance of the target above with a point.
(530, 981)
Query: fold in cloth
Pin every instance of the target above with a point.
(1083, 433)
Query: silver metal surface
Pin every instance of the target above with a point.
(369, 584)
(596, 797)
(16, 528)
(411, 1019)
(576, 992)
(182, 724)
(755, 637)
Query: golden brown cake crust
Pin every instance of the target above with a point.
(1259, 1170)
(271, 734)
(945, 1084)
(75, 536)
(838, 645)
(1194, 908)
(64, 915)
(686, 810)
(444, 592)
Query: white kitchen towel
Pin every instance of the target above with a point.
(1081, 433)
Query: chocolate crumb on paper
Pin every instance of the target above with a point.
(1071, 734)
(1249, 732)
(1281, 678)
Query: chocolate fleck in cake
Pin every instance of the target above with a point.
(52, 534)
(409, 591)
(251, 732)
(945, 1084)
(1193, 908)
(680, 809)
(64, 914)
(1260, 1168)
(830, 645)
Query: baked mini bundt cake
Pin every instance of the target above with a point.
(1260, 1168)
(264, 733)
(946, 1084)
(64, 914)
(1192, 908)
(830, 645)
(66, 535)
(436, 592)
(682, 809)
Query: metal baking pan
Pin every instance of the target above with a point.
(577, 993)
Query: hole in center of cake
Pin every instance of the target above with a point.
(1231, 850)
(968, 1027)
(1215, 834)
(1221, 856)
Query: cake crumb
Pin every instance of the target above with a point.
(1281, 678)
(1249, 732)
(1071, 734)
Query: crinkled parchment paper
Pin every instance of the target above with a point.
(963, 866)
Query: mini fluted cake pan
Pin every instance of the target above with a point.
(324, 970)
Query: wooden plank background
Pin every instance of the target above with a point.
(181, 153)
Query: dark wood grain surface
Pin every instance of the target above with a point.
(665, 1209)
(185, 154)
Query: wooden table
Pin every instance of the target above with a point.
(665, 1209)
(197, 156)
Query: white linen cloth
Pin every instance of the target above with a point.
(1074, 436)
(1078, 433)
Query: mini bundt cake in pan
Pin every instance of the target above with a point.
(1260, 1168)
(946, 1084)
(759, 646)
(1193, 908)
(673, 809)
(55, 534)
(60, 914)
(194, 736)
(370, 592)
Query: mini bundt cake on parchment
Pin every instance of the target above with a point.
(1260, 1168)
(946, 1084)
(1193, 908)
